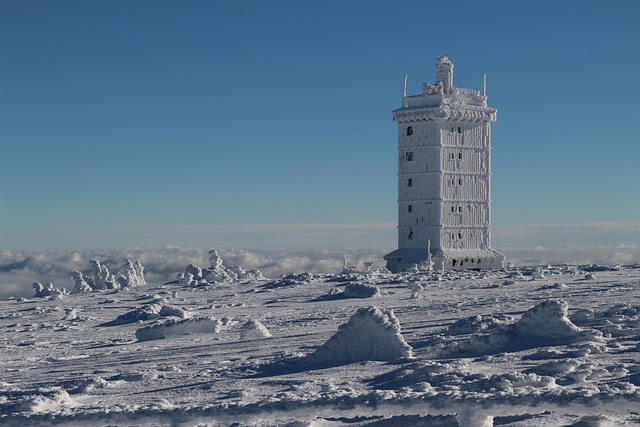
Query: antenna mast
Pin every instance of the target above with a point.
(484, 84)
(404, 87)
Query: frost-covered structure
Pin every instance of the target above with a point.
(217, 272)
(444, 170)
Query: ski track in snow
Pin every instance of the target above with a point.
(472, 361)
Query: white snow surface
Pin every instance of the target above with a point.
(443, 349)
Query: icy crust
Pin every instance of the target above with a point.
(370, 334)
(202, 325)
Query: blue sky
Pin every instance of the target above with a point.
(151, 122)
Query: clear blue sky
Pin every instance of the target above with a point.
(124, 122)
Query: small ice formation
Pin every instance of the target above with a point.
(546, 324)
(148, 312)
(48, 290)
(216, 273)
(370, 334)
(254, 330)
(201, 325)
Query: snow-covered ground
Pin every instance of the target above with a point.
(558, 346)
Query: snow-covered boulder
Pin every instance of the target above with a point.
(370, 334)
(254, 330)
(201, 325)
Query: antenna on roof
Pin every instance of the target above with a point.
(404, 87)
(484, 84)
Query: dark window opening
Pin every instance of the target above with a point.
(459, 130)
(453, 209)
(409, 156)
(460, 155)
(459, 235)
(479, 260)
(452, 156)
(455, 262)
(460, 209)
(410, 234)
(410, 208)
(409, 182)
(410, 130)
(459, 181)
(451, 130)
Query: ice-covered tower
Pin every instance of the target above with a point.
(444, 144)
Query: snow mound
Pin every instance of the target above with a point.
(148, 312)
(370, 334)
(545, 324)
(254, 330)
(131, 274)
(202, 325)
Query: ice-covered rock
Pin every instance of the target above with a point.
(201, 325)
(370, 334)
(254, 330)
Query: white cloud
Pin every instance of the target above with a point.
(20, 269)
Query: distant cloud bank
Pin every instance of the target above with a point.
(597, 243)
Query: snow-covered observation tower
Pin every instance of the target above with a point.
(444, 144)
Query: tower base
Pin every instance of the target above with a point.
(409, 259)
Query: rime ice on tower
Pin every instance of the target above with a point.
(444, 144)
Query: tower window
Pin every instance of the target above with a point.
(459, 130)
(409, 156)
(459, 235)
(410, 208)
(459, 181)
(460, 209)
(409, 182)
(453, 209)
(410, 130)
(410, 234)
(460, 155)
(451, 130)
(452, 156)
